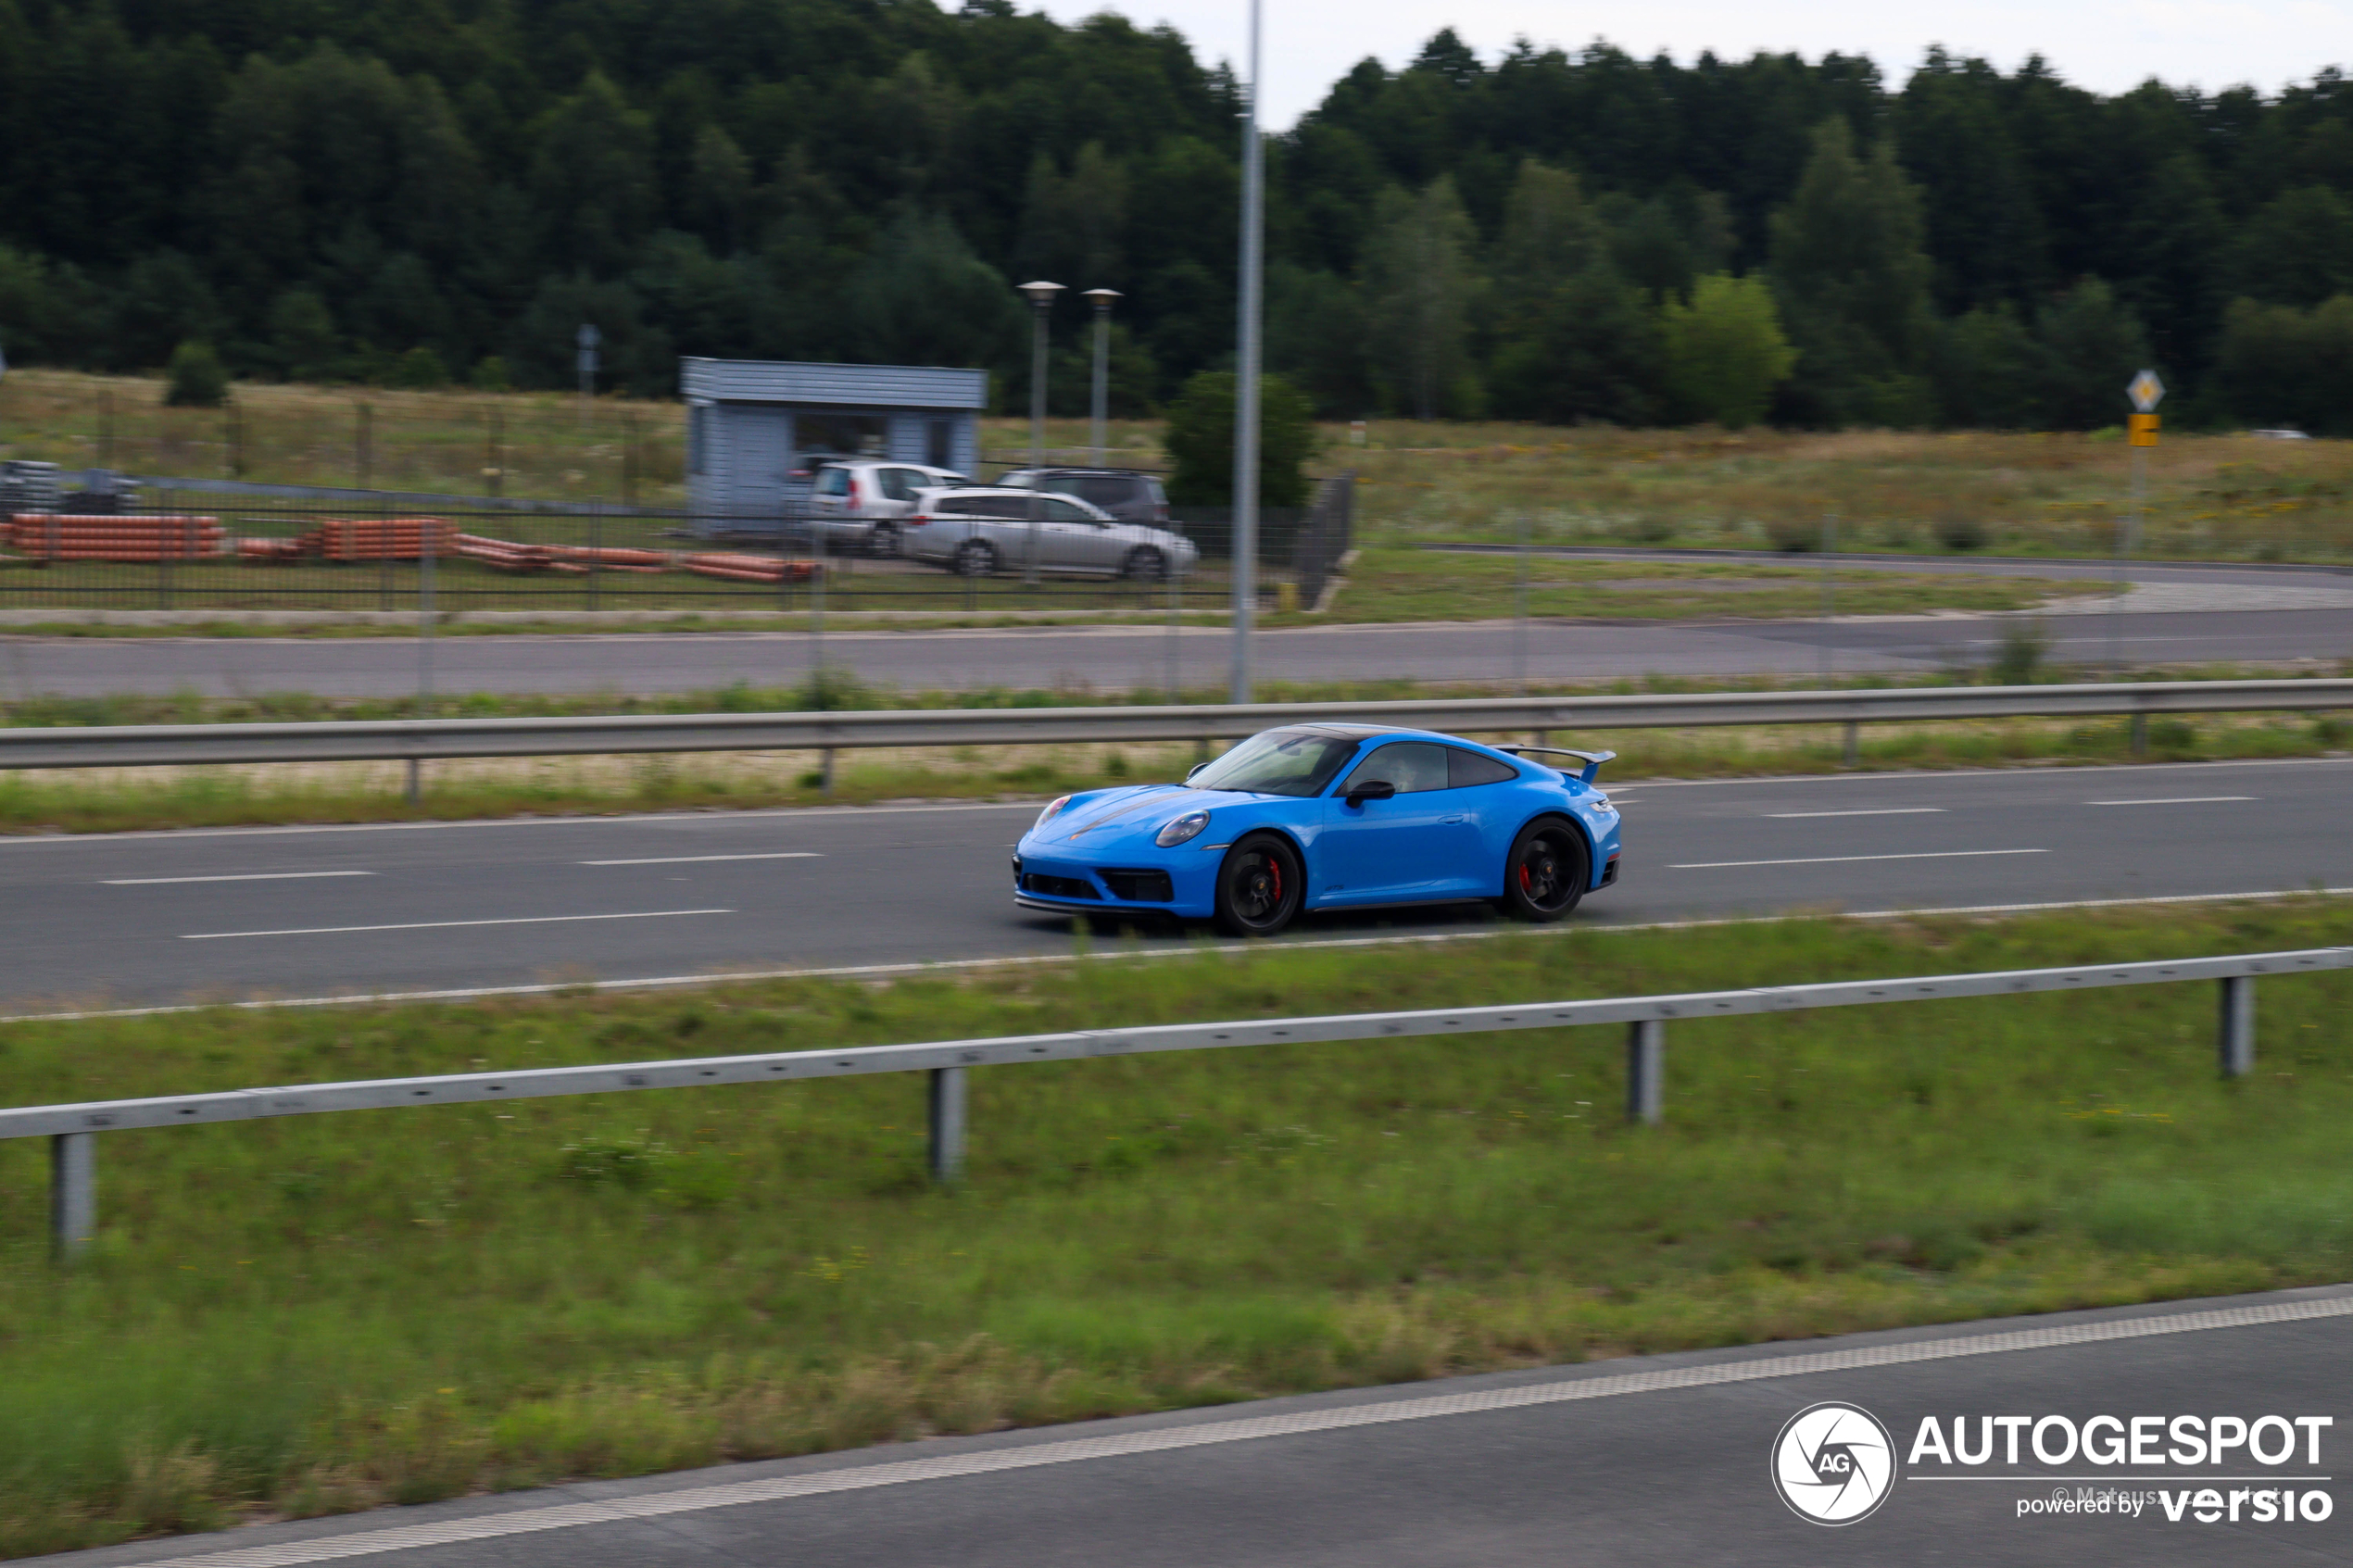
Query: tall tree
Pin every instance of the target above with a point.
(1853, 284)
(1420, 287)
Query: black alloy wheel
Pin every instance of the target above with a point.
(1260, 887)
(975, 558)
(884, 540)
(1145, 564)
(1546, 872)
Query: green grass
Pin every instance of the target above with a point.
(1403, 583)
(320, 1313)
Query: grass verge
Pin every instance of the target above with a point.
(107, 800)
(319, 1314)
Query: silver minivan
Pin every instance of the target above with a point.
(979, 530)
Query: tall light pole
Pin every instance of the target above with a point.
(1246, 389)
(1041, 300)
(1101, 299)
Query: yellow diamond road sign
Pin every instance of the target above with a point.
(2146, 392)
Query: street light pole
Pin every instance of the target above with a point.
(1246, 391)
(1041, 300)
(1102, 298)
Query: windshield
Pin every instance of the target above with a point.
(1278, 762)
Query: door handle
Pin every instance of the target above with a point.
(1457, 816)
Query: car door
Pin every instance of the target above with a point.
(1073, 540)
(898, 487)
(1379, 850)
(1480, 820)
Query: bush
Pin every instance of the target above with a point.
(2021, 659)
(2279, 365)
(1201, 438)
(1726, 351)
(199, 381)
(490, 375)
(1959, 533)
(420, 370)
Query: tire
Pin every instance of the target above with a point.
(1260, 887)
(884, 541)
(1144, 564)
(1546, 872)
(975, 558)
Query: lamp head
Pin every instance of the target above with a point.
(1101, 297)
(1041, 294)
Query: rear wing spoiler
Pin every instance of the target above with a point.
(1592, 759)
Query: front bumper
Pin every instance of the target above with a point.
(1165, 882)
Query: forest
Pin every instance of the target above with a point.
(432, 191)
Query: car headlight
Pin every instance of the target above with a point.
(1187, 826)
(1052, 809)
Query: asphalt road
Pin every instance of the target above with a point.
(1112, 659)
(1663, 1461)
(164, 917)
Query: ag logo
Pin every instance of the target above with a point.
(1833, 1463)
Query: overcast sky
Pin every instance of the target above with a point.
(2108, 45)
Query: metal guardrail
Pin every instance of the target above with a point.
(73, 1128)
(428, 739)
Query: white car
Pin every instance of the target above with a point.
(981, 530)
(857, 503)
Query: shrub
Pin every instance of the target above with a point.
(1960, 533)
(2020, 658)
(1201, 439)
(1726, 351)
(420, 370)
(199, 381)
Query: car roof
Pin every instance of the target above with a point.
(1383, 732)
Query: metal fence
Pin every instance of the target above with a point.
(209, 551)
(72, 1129)
(427, 739)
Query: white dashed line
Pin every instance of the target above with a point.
(698, 859)
(240, 876)
(1843, 859)
(1882, 812)
(2177, 800)
(444, 924)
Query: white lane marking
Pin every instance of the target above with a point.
(2177, 800)
(1844, 860)
(1206, 1433)
(1879, 811)
(444, 924)
(240, 876)
(696, 860)
(634, 820)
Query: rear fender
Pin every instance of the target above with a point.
(1592, 850)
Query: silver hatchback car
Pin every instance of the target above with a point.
(856, 503)
(977, 531)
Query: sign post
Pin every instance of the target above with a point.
(586, 340)
(2146, 392)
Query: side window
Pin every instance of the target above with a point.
(834, 482)
(898, 484)
(1413, 766)
(1464, 768)
(1105, 493)
(1063, 511)
(994, 506)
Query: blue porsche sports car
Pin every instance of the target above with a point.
(1329, 817)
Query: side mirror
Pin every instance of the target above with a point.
(1372, 789)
